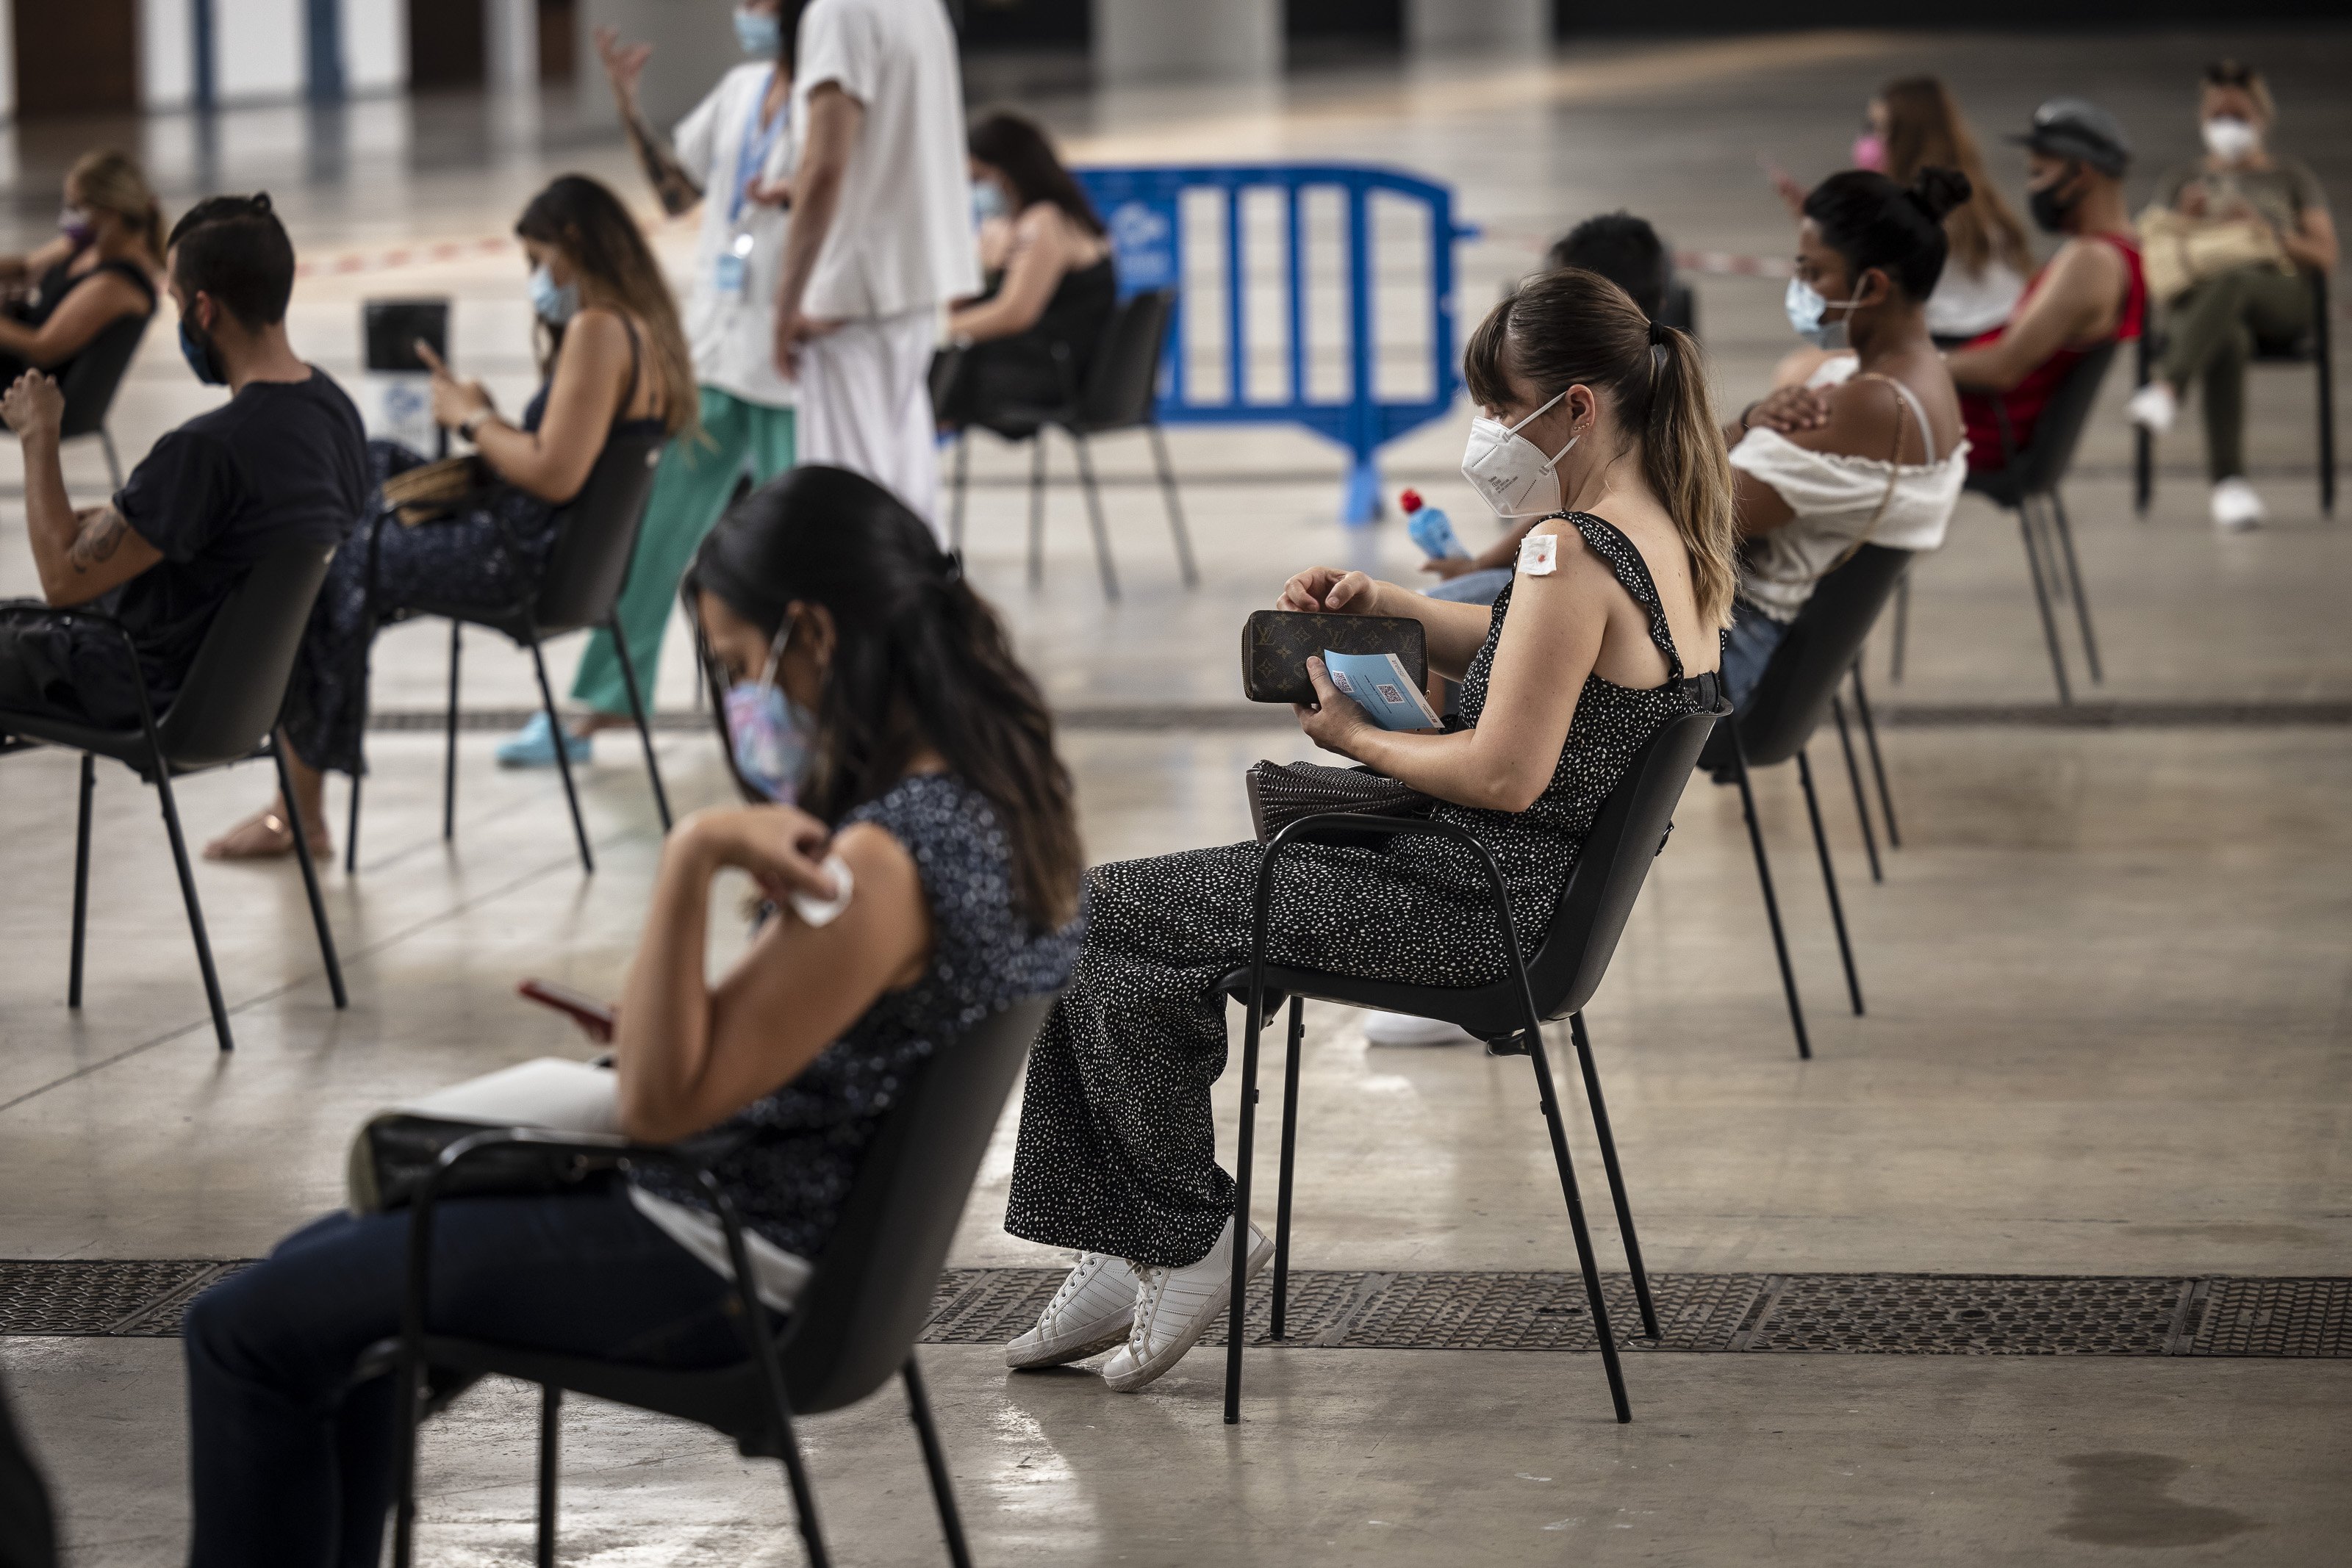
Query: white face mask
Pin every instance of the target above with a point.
(2231, 139)
(1512, 472)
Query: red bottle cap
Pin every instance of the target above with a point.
(1411, 501)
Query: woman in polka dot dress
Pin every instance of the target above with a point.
(1598, 423)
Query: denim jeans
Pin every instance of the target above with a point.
(291, 1466)
(1754, 638)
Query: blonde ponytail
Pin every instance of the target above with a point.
(1683, 457)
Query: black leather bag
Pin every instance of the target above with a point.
(1282, 792)
(1276, 644)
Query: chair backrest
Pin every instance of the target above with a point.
(595, 534)
(1627, 834)
(1124, 382)
(871, 1292)
(94, 375)
(1793, 696)
(236, 683)
(2059, 431)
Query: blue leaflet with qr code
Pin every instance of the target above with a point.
(1381, 688)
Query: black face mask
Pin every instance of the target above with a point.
(204, 358)
(2048, 207)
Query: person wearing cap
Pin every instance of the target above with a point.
(2091, 293)
(2277, 206)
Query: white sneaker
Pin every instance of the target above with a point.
(1173, 1307)
(2236, 507)
(1403, 1029)
(2154, 407)
(1090, 1314)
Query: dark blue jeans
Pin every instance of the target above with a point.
(1755, 637)
(291, 1466)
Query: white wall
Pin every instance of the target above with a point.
(511, 44)
(376, 45)
(8, 60)
(694, 46)
(1199, 40)
(258, 52)
(167, 64)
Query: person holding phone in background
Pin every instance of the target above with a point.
(733, 157)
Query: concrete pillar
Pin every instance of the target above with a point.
(511, 45)
(1434, 26)
(1189, 40)
(694, 46)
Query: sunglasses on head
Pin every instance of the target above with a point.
(2230, 73)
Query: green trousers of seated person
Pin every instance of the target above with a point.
(696, 475)
(2209, 337)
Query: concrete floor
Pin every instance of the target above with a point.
(2109, 974)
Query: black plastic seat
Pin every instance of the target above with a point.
(2314, 348)
(227, 711)
(1627, 834)
(1120, 392)
(597, 533)
(1798, 689)
(91, 378)
(853, 1327)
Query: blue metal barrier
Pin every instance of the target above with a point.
(1146, 211)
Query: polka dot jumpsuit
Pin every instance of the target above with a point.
(1117, 1153)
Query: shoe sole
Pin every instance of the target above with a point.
(1151, 1371)
(1062, 1352)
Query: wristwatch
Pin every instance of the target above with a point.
(475, 421)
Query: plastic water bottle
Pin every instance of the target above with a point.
(1431, 529)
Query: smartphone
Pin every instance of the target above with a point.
(594, 1018)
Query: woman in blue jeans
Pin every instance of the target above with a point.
(877, 691)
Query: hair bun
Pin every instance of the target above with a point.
(1938, 191)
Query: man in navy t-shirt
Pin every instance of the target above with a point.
(284, 459)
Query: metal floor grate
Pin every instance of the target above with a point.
(1851, 1314)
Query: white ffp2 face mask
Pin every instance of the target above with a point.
(2230, 138)
(1512, 472)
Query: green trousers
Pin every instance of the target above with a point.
(690, 490)
(2210, 335)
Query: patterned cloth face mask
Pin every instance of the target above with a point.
(769, 734)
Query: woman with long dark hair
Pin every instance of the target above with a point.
(1031, 338)
(1596, 422)
(922, 759)
(1915, 125)
(615, 364)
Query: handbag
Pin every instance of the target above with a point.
(431, 491)
(2179, 252)
(1280, 793)
(1276, 644)
(396, 1150)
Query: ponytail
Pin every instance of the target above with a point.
(1683, 458)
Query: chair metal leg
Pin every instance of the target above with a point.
(1576, 1223)
(962, 480)
(352, 832)
(1829, 878)
(2143, 470)
(81, 880)
(449, 753)
(1877, 763)
(803, 1496)
(2074, 582)
(1854, 777)
(2041, 597)
(562, 758)
(1902, 627)
(1175, 509)
(113, 463)
(1255, 1006)
(935, 1461)
(638, 712)
(309, 872)
(195, 908)
(1289, 1147)
(2325, 361)
(408, 1390)
(1094, 515)
(1038, 508)
(551, 1410)
(1771, 904)
(1583, 1038)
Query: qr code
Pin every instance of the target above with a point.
(1339, 679)
(1389, 693)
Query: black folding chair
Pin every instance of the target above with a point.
(1798, 689)
(853, 1327)
(581, 588)
(1120, 392)
(89, 381)
(1629, 832)
(227, 711)
(2027, 483)
(2314, 348)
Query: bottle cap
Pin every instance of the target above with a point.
(1411, 501)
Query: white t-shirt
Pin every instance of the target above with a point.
(1966, 303)
(902, 238)
(731, 306)
(1834, 496)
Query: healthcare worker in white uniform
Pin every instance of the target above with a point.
(881, 237)
(732, 155)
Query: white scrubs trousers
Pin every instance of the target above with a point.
(865, 405)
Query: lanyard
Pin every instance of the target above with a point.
(752, 156)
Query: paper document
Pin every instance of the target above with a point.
(1381, 688)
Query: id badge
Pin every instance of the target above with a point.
(732, 270)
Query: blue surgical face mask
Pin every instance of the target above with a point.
(554, 304)
(202, 357)
(769, 734)
(987, 201)
(761, 33)
(1806, 307)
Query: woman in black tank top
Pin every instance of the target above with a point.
(100, 270)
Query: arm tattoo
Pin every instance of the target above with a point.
(100, 536)
(671, 183)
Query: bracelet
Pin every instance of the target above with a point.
(475, 421)
(1749, 412)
